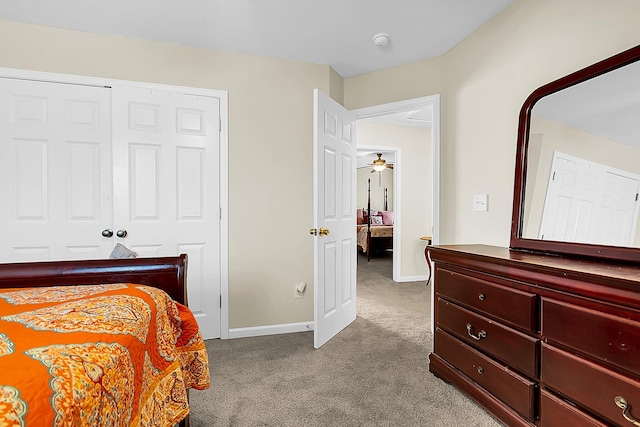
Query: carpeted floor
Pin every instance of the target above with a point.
(373, 373)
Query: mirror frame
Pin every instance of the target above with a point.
(517, 242)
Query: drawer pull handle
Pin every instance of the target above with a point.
(481, 334)
(480, 370)
(481, 296)
(622, 404)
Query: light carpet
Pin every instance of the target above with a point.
(373, 373)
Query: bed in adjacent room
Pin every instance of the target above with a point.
(374, 228)
(374, 238)
(99, 342)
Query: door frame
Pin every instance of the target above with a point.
(397, 198)
(224, 155)
(400, 106)
(409, 104)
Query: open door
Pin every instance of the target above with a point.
(334, 218)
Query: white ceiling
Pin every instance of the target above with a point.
(331, 32)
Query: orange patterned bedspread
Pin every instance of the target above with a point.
(97, 355)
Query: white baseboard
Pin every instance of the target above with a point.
(287, 328)
(413, 279)
(257, 331)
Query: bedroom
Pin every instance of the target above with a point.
(482, 83)
(478, 125)
(375, 216)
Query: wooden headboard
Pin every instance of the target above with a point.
(166, 273)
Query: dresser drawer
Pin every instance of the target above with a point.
(589, 385)
(600, 335)
(509, 304)
(556, 412)
(511, 388)
(514, 348)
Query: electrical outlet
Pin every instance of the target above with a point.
(298, 290)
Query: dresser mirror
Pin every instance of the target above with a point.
(577, 174)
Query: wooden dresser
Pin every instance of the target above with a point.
(538, 339)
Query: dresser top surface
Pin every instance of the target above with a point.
(571, 265)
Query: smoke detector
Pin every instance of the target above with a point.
(381, 39)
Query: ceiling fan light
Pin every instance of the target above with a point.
(379, 168)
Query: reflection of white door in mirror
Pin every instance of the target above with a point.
(592, 114)
(590, 203)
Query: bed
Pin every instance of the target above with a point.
(375, 238)
(374, 229)
(98, 343)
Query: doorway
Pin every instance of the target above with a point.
(335, 152)
(422, 113)
(377, 201)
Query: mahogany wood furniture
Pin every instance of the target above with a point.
(545, 333)
(538, 339)
(609, 96)
(166, 273)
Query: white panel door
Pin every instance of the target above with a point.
(571, 200)
(335, 211)
(166, 186)
(618, 210)
(55, 171)
(590, 203)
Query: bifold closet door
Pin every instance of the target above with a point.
(166, 186)
(55, 171)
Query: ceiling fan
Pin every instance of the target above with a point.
(380, 164)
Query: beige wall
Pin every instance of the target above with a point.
(270, 148)
(379, 181)
(415, 182)
(483, 82)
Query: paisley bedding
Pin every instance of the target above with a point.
(97, 355)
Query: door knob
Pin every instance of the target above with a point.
(322, 232)
(121, 233)
(107, 232)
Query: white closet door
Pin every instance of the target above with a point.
(55, 171)
(166, 186)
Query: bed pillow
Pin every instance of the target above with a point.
(387, 217)
(376, 220)
(360, 216)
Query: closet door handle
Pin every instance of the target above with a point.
(107, 232)
(482, 334)
(121, 233)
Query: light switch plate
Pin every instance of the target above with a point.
(480, 203)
